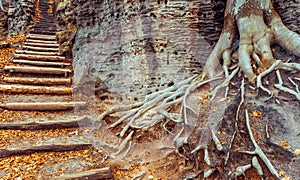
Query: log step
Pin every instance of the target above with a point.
(40, 36)
(39, 48)
(9, 151)
(39, 57)
(44, 32)
(36, 70)
(53, 45)
(103, 174)
(39, 125)
(41, 41)
(41, 63)
(35, 89)
(43, 106)
(38, 81)
(37, 53)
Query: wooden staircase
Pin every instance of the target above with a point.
(40, 80)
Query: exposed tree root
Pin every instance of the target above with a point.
(255, 62)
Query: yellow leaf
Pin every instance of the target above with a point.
(297, 151)
(281, 173)
(283, 143)
(256, 113)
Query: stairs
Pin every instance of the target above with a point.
(37, 87)
(38, 69)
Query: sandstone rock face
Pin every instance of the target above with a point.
(3, 19)
(20, 16)
(138, 47)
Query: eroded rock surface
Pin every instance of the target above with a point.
(20, 16)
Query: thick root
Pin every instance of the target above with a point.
(255, 62)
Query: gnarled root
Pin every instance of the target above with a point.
(255, 62)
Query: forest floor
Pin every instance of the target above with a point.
(151, 155)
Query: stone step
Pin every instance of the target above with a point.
(53, 45)
(35, 89)
(40, 63)
(43, 106)
(38, 81)
(39, 57)
(37, 53)
(13, 151)
(37, 70)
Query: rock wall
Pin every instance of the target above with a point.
(138, 47)
(20, 16)
(3, 19)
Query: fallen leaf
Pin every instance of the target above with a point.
(281, 173)
(256, 113)
(283, 143)
(297, 151)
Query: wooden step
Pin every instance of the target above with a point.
(102, 173)
(37, 70)
(38, 81)
(39, 57)
(53, 124)
(53, 45)
(34, 48)
(41, 36)
(44, 32)
(41, 63)
(35, 89)
(41, 41)
(11, 151)
(37, 53)
(43, 106)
